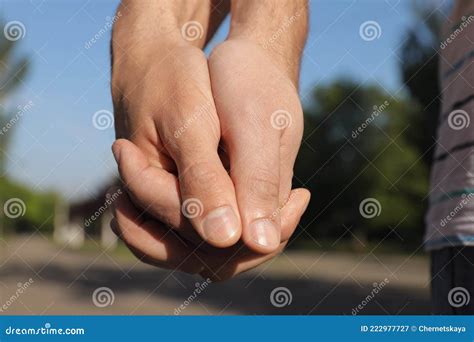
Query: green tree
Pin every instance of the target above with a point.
(354, 148)
(12, 71)
(419, 70)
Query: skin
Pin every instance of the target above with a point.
(240, 69)
(201, 149)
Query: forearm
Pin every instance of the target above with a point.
(280, 27)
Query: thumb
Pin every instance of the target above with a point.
(255, 170)
(292, 211)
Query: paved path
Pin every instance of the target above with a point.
(64, 281)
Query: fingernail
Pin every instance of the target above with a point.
(220, 225)
(116, 151)
(265, 233)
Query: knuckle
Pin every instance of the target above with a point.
(202, 175)
(264, 185)
(131, 187)
(195, 125)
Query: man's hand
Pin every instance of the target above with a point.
(163, 104)
(262, 125)
(154, 243)
(170, 164)
(254, 77)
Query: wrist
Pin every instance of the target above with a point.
(168, 23)
(279, 29)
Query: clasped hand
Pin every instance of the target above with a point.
(205, 150)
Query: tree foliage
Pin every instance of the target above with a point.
(12, 71)
(355, 147)
(28, 209)
(388, 160)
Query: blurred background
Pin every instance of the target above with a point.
(369, 89)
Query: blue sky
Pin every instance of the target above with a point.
(55, 145)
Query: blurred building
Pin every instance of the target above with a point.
(86, 219)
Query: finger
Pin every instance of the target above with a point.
(217, 264)
(238, 259)
(151, 188)
(164, 204)
(255, 166)
(292, 211)
(207, 192)
(291, 124)
(150, 241)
